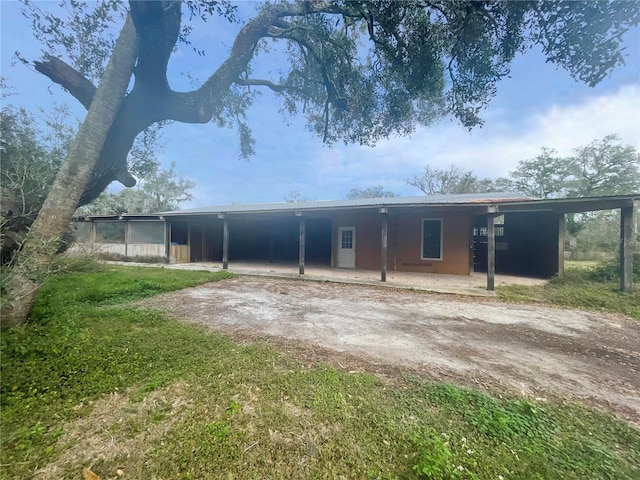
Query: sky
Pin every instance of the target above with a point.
(539, 106)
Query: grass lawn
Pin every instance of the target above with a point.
(584, 285)
(93, 382)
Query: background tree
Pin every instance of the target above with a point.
(159, 191)
(546, 176)
(376, 191)
(450, 180)
(32, 150)
(294, 196)
(358, 71)
(26, 172)
(604, 167)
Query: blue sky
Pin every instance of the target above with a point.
(538, 106)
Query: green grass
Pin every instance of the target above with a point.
(585, 285)
(91, 382)
(581, 264)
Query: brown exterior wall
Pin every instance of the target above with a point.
(405, 241)
(455, 244)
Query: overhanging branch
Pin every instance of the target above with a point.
(69, 78)
(261, 83)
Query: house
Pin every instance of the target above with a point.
(448, 234)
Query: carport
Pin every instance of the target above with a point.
(493, 233)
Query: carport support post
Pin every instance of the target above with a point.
(126, 237)
(491, 252)
(626, 249)
(383, 243)
(301, 244)
(225, 242)
(560, 243)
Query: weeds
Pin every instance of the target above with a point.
(596, 288)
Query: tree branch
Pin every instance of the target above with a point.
(261, 83)
(158, 27)
(199, 106)
(69, 78)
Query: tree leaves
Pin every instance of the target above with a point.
(79, 30)
(376, 191)
(449, 180)
(160, 190)
(603, 167)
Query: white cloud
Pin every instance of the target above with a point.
(497, 147)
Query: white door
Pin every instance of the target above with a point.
(346, 247)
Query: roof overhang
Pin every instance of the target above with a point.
(476, 207)
(472, 204)
(571, 205)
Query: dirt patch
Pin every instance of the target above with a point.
(531, 350)
(117, 429)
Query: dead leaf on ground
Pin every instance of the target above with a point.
(87, 474)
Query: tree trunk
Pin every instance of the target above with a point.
(32, 263)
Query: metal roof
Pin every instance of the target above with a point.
(466, 199)
(496, 202)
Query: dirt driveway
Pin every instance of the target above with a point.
(532, 350)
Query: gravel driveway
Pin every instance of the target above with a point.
(528, 349)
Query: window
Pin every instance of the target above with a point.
(484, 231)
(347, 239)
(110, 232)
(432, 239)
(82, 232)
(146, 232)
(179, 233)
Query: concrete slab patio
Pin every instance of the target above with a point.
(474, 284)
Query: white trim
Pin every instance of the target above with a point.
(422, 239)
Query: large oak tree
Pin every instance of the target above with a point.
(357, 70)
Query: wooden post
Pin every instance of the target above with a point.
(383, 247)
(472, 222)
(626, 248)
(225, 244)
(301, 245)
(491, 252)
(189, 240)
(561, 244)
(126, 238)
(93, 233)
(167, 241)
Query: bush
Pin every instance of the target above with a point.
(609, 271)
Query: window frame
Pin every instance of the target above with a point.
(342, 238)
(99, 239)
(130, 232)
(422, 223)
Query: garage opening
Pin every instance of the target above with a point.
(270, 241)
(318, 242)
(278, 241)
(526, 244)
